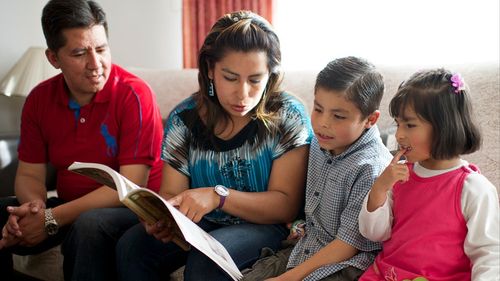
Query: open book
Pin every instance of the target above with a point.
(151, 207)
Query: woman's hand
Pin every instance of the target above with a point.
(197, 202)
(162, 230)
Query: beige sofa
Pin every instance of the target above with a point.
(172, 86)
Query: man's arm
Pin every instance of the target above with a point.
(30, 182)
(31, 193)
(32, 224)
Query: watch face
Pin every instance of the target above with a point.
(51, 228)
(221, 190)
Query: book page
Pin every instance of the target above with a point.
(189, 230)
(205, 243)
(151, 207)
(105, 176)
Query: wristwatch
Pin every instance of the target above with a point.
(51, 226)
(223, 192)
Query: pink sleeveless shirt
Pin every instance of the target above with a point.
(428, 231)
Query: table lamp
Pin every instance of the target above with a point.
(31, 69)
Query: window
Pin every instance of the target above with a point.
(387, 32)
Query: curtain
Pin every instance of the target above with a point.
(198, 16)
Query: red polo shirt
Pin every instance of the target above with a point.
(122, 125)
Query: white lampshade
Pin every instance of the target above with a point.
(30, 70)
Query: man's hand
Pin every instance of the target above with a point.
(8, 239)
(27, 223)
(17, 213)
(12, 232)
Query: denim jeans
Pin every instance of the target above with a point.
(142, 257)
(89, 246)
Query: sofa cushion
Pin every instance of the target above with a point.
(44, 266)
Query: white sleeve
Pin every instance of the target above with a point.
(480, 207)
(376, 225)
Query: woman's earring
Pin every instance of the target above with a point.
(211, 88)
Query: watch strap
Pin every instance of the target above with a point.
(221, 201)
(51, 226)
(223, 192)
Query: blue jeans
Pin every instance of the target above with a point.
(89, 246)
(142, 257)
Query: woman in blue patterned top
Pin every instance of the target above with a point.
(235, 157)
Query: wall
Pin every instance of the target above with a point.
(145, 33)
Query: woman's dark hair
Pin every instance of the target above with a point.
(58, 15)
(362, 84)
(241, 31)
(448, 109)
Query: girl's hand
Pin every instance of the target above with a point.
(393, 173)
(197, 202)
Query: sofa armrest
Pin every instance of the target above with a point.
(9, 163)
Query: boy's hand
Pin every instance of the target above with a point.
(297, 230)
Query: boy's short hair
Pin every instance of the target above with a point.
(362, 84)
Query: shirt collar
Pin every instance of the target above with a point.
(101, 96)
(365, 138)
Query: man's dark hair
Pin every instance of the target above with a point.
(58, 15)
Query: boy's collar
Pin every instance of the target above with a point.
(365, 138)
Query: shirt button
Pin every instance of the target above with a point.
(312, 223)
(82, 120)
(329, 161)
(316, 193)
(306, 251)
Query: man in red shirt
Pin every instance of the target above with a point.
(94, 111)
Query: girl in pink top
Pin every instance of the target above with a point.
(437, 216)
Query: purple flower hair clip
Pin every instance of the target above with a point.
(457, 82)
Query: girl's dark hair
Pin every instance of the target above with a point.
(58, 15)
(362, 84)
(448, 110)
(242, 31)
